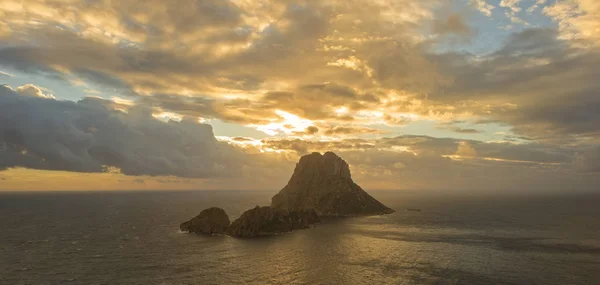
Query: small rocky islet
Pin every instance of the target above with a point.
(210, 221)
(321, 186)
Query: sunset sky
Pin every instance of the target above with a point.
(475, 95)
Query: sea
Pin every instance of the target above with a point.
(432, 238)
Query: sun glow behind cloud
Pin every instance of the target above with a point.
(286, 124)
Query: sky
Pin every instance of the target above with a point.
(466, 95)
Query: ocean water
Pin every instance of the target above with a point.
(133, 238)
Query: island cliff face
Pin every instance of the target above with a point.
(323, 183)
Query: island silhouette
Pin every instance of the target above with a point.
(321, 186)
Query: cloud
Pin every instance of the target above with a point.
(577, 19)
(244, 64)
(311, 130)
(512, 9)
(451, 126)
(317, 101)
(243, 49)
(512, 5)
(425, 146)
(466, 150)
(483, 7)
(351, 130)
(33, 91)
(536, 6)
(453, 24)
(466, 131)
(538, 83)
(91, 136)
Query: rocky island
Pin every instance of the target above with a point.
(262, 221)
(259, 221)
(320, 186)
(323, 183)
(210, 221)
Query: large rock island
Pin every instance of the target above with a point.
(323, 183)
(320, 186)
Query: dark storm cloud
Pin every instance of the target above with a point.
(89, 136)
